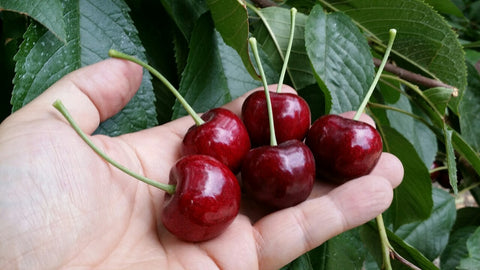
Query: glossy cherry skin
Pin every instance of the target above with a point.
(291, 117)
(222, 136)
(343, 148)
(206, 199)
(279, 176)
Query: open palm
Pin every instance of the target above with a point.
(62, 206)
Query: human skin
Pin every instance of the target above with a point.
(62, 206)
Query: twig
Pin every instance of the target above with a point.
(404, 261)
(264, 3)
(413, 77)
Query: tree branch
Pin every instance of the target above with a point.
(413, 77)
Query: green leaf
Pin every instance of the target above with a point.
(14, 25)
(467, 221)
(460, 145)
(180, 45)
(41, 60)
(451, 163)
(417, 133)
(233, 26)
(472, 262)
(445, 7)
(315, 99)
(344, 251)
(456, 248)
(158, 37)
(49, 13)
(469, 109)
(431, 235)
(412, 199)
(340, 57)
(470, 182)
(185, 13)
(467, 216)
(429, 109)
(390, 89)
(370, 263)
(424, 39)
(300, 263)
(440, 96)
(92, 29)
(214, 74)
(272, 32)
(369, 235)
(466, 151)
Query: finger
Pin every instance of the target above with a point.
(363, 117)
(91, 94)
(389, 167)
(309, 224)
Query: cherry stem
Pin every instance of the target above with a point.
(116, 54)
(441, 168)
(170, 189)
(385, 243)
(392, 34)
(293, 13)
(273, 139)
(386, 247)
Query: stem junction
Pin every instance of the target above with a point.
(273, 139)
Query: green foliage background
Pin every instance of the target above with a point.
(201, 47)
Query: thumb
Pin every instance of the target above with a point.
(92, 94)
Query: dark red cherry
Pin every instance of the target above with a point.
(343, 148)
(222, 136)
(206, 199)
(279, 176)
(442, 176)
(434, 175)
(291, 117)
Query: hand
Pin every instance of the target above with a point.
(61, 205)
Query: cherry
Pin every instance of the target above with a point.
(443, 179)
(206, 199)
(439, 174)
(222, 136)
(346, 148)
(435, 169)
(343, 148)
(291, 116)
(291, 113)
(279, 176)
(202, 198)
